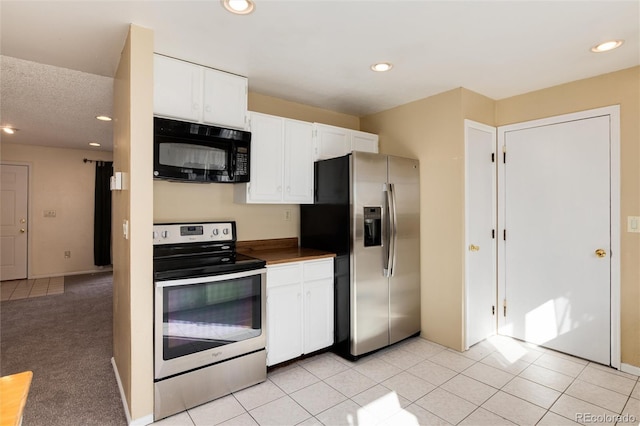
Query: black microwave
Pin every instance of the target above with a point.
(192, 152)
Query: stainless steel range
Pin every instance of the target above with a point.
(209, 315)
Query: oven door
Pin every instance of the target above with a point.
(202, 321)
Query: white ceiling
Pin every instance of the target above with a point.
(59, 57)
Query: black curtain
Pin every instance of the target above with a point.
(102, 214)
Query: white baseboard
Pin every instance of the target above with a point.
(631, 369)
(143, 421)
(63, 274)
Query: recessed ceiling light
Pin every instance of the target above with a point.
(9, 130)
(381, 66)
(94, 144)
(103, 117)
(607, 46)
(239, 7)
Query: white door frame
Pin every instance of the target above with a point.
(470, 124)
(614, 157)
(29, 166)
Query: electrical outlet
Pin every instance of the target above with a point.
(67, 254)
(287, 215)
(49, 213)
(633, 223)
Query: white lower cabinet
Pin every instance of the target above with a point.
(299, 309)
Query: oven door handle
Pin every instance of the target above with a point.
(210, 278)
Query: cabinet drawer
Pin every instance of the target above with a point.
(283, 275)
(318, 269)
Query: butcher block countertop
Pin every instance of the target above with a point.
(280, 250)
(14, 390)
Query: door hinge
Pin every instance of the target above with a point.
(493, 234)
(504, 235)
(493, 157)
(504, 307)
(504, 153)
(493, 309)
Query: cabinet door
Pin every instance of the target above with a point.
(225, 99)
(284, 313)
(298, 162)
(177, 89)
(266, 158)
(318, 314)
(362, 141)
(331, 141)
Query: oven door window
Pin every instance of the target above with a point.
(198, 317)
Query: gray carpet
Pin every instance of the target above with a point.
(66, 340)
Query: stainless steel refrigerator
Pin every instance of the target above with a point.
(367, 210)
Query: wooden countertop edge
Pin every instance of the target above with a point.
(280, 250)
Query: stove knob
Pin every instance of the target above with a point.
(225, 231)
(215, 231)
(155, 235)
(164, 234)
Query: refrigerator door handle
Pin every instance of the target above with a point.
(387, 232)
(394, 230)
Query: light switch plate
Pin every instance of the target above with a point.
(633, 224)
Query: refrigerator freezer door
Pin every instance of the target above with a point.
(404, 283)
(369, 286)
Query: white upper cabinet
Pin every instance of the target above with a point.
(177, 89)
(225, 99)
(191, 92)
(363, 141)
(281, 162)
(332, 141)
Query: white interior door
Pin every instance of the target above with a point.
(480, 232)
(13, 217)
(556, 270)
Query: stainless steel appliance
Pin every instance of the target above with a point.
(193, 152)
(209, 316)
(367, 210)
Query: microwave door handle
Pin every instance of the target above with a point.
(232, 163)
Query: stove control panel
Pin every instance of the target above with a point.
(180, 233)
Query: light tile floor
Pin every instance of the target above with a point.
(22, 289)
(499, 381)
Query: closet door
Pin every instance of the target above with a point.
(480, 232)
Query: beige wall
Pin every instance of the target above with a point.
(179, 202)
(618, 88)
(59, 181)
(132, 263)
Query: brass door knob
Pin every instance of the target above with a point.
(22, 230)
(474, 248)
(601, 253)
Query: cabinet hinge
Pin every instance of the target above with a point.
(493, 157)
(504, 154)
(493, 309)
(504, 307)
(504, 235)
(493, 234)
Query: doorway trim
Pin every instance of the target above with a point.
(614, 167)
(29, 167)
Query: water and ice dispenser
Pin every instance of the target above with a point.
(372, 226)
